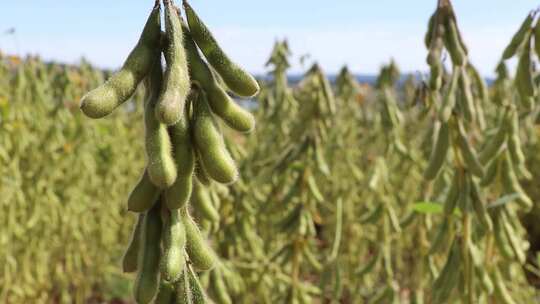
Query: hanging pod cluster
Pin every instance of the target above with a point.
(525, 44)
(469, 224)
(443, 34)
(185, 148)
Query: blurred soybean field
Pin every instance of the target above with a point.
(333, 204)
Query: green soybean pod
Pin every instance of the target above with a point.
(220, 102)
(174, 242)
(218, 287)
(176, 85)
(449, 276)
(513, 241)
(500, 238)
(453, 42)
(482, 89)
(147, 281)
(198, 295)
(501, 292)
(519, 37)
(144, 195)
(370, 265)
(468, 153)
(165, 294)
(514, 142)
(537, 38)
(439, 153)
(511, 183)
(131, 256)
(203, 203)
(179, 193)
(201, 174)
(449, 100)
(121, 86)
(467, 99)
(161, 167)
(430, 34)
(524, 76)
(182, 289)
(214, 156)
(441, 237)
(373, 216)
(200, 253)
(479, 207)
(494, 146)
(491, 173)
(485, 280)
(464, 195)
(238, 80)
(450, 202)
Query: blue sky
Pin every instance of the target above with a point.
(361, 33)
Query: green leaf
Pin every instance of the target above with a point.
(428, 208)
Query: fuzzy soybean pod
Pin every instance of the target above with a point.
(147, 281)
(161, 167)
(495, 144)
(449, 276)
(537, 39)
(501, 241)
(200, 253)
(514, 142)
(144, 195)
(449, 100)
(179, 193)
(430, 34)
(468, 152)
(220, 102)
(182, 289)
(519, 37)
(439, 153)
(121, 86)
(442, 236)
(219, 288)
(174, 241)
(501, 292)
(467, 99)
(511, 183)
(165, 294)
(214, 156)
(491, 173)
(202, 202)
(450, 202)
(479, 207)
(176, 85)
(524, 76)
(453, 41)
(238, 80)
(131, 256)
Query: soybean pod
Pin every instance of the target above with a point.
(238, 80)
(147, 281)
(176, 85)
(215, 158)
(131, 256)
(161, 167)
(144, 195)
(121, 86)
(200, 253)
(179, 193)
(220, 102)
(174, 241)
